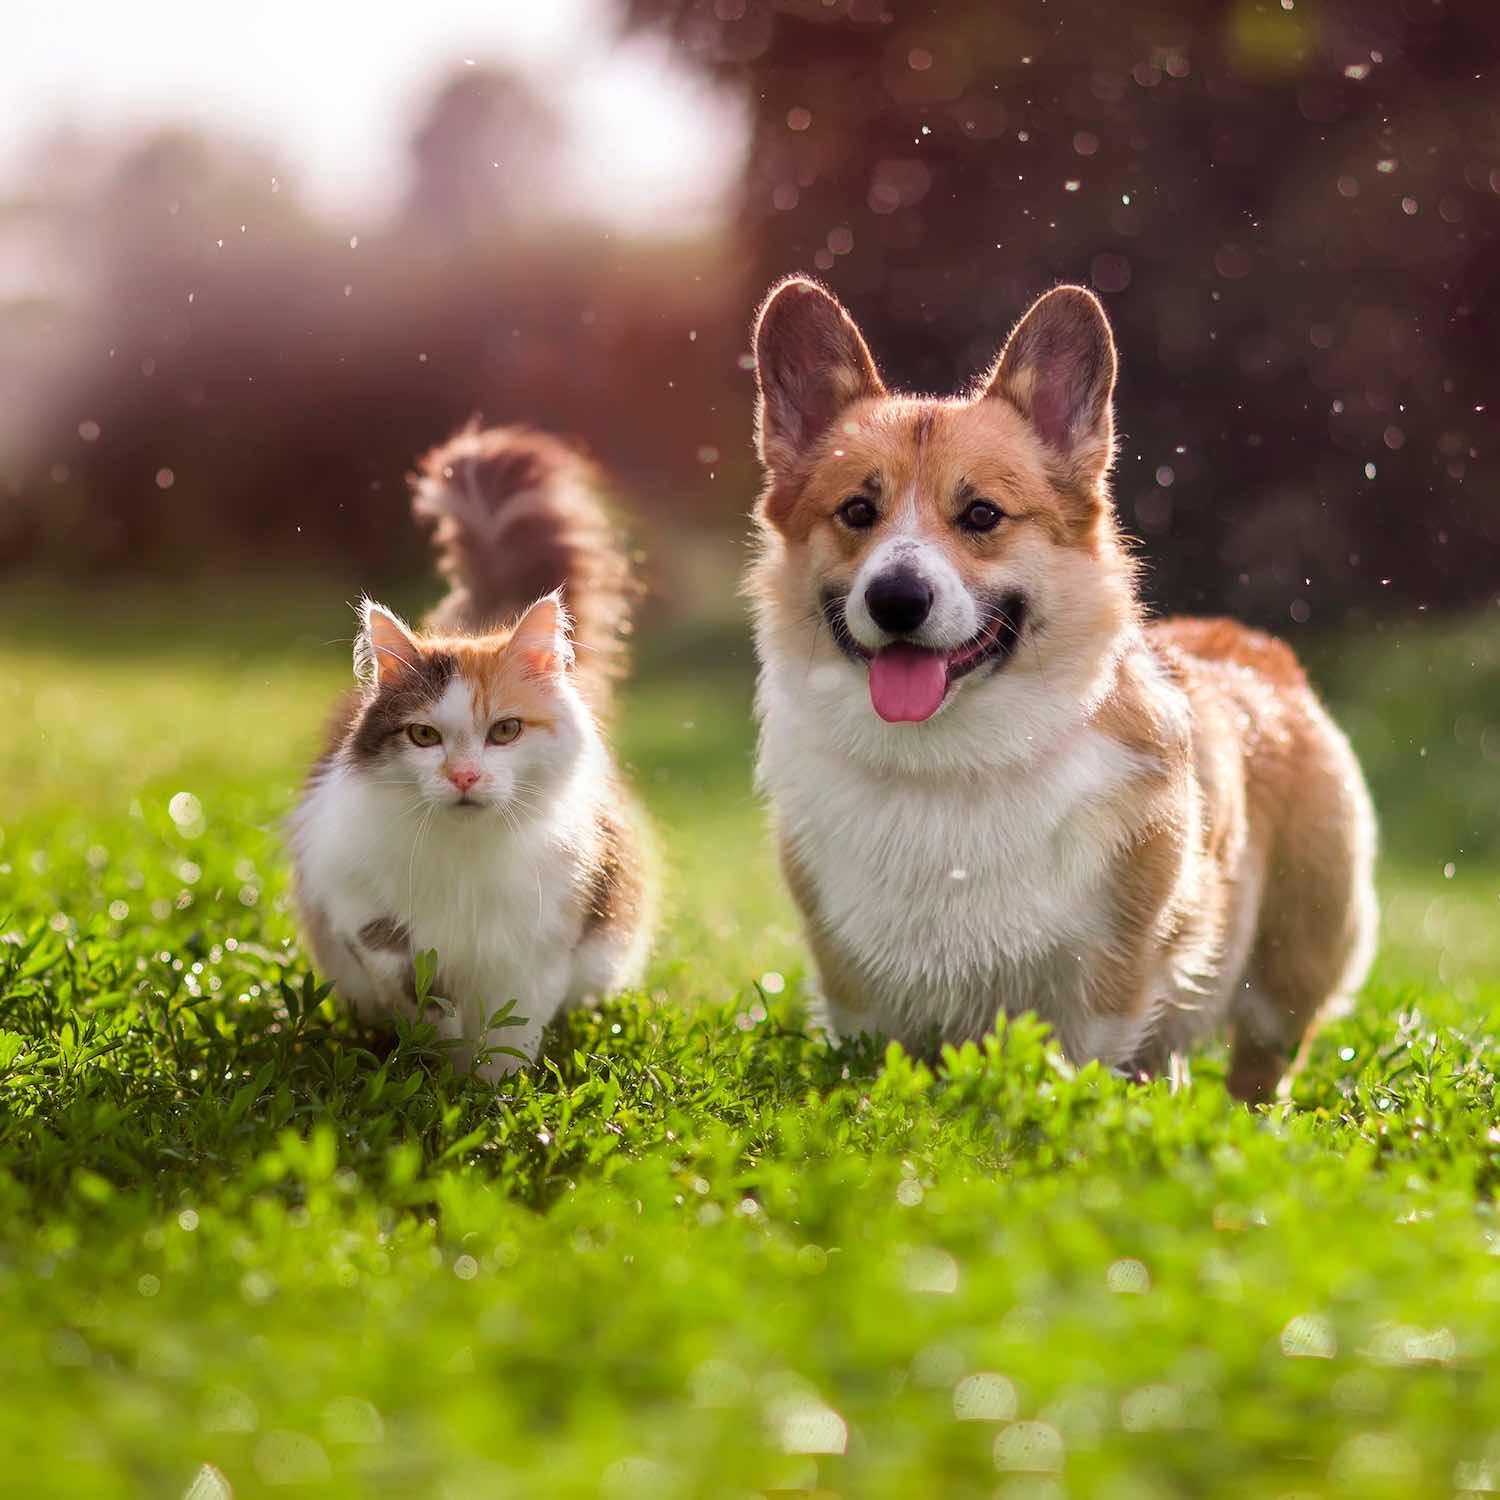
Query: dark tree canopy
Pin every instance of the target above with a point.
(1290, 208)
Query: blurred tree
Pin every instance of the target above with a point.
(485, 156)
(231, 381)
(161, 251)
(1292, 214)
(1290, 207)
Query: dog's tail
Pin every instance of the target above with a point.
(518, 514)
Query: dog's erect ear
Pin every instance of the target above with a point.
(1058, 370)
(810, 363)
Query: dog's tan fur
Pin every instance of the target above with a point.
(1235, 856)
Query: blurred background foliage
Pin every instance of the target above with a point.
(1290, 208)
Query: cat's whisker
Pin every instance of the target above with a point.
(523, 804)
(411, 864)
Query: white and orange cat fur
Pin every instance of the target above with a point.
(468, 802)
(996, 784)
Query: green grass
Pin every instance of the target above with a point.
(696, 1253)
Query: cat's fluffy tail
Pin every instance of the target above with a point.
(518, 514)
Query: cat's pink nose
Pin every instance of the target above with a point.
(463, 777)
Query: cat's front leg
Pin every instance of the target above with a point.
(364, 956)
(521, 1030)
(377, 978)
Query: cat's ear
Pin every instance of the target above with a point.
(384, 649)
(540, 638)
(1058, 370)
(810, 363)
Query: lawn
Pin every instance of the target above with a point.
(697, 1253)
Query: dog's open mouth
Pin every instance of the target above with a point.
(908, 682)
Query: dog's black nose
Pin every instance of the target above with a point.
(898, 600)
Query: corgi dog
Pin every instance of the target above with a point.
(468, 803)
(996, 785)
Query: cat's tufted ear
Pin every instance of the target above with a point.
(384, 649)
(1058, 369)
(810, 363)
(541, 637)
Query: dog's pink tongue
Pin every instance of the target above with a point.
(907, 683)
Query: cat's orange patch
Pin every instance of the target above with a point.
(505, 678)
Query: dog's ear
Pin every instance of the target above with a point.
(810, 363)
(1058, 369)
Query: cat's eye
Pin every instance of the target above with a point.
(981, 516)
(858, 513)
(503, 731)
(424, 735)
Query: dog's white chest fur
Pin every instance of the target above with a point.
(954, 896)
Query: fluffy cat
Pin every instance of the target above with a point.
(468, 802)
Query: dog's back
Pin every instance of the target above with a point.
(1301, 902)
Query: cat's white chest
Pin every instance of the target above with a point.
(487, 908)
(492, 903)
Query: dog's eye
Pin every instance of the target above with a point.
(858, 513)
(424, 735)
(981, 516)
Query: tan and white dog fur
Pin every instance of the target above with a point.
(996, 785)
